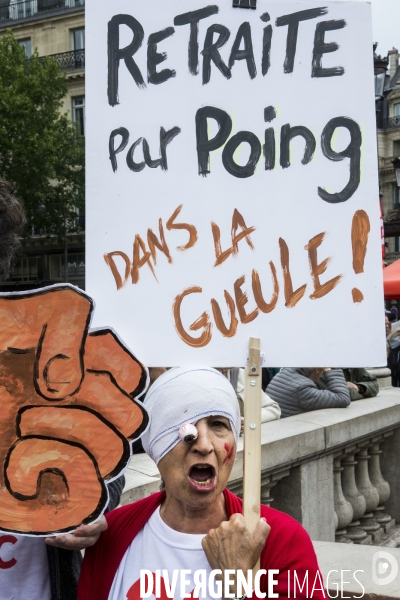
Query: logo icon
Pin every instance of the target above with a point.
(384, 568)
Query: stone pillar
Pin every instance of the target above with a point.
(307, 495)
(317, 499)
(377, 480)
(356, 499)
(369, 492)
(390, 471)
(268, 482)
(343, 508)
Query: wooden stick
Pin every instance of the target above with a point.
(252, 439)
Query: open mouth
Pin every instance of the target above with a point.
(202, 476)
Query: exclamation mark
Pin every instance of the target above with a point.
(359, 240)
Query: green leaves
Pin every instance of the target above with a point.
(40, 151)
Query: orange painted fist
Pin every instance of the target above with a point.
(67, 411)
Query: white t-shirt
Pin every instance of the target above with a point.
(157, 546)
(24, 569)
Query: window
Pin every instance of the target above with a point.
(72, 3)
(79, 221)
(44, 5)
(76, 266)
(25, 269)
(78, 113)
(379, 84)
(396, 244)
(21, 10)
(397, 110)
(78, 47)
(26, 44)
(396, 195)
(396, 148)
(78, 39)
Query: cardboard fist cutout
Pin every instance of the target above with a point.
(67, 411)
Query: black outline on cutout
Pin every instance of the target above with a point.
(17, 296)
(103, 501)
(142, 381)
(92, 517)
(125, 441)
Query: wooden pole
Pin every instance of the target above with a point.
(252, 439)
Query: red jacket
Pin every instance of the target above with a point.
(288, 548)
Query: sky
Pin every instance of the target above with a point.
(386, 24)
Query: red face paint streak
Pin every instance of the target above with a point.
(229, 453)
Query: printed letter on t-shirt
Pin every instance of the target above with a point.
(7, 539)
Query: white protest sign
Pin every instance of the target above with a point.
(232, 186)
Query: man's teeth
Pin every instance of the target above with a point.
(204, 483)
(202, 466)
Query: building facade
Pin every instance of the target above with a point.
(55, 28)
(387, 90)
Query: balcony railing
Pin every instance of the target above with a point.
(75, 59)
(391, 256)
(11, 11)
(390, 123)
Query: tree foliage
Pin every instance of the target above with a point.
(41, 153)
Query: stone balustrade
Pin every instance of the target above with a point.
(334, 470)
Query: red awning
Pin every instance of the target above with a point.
(391, 281)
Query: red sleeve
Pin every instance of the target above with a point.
(289, 550)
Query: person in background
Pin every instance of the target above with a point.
(270, 410)
(394, 312)
(394, 323)
(388, 327)
(361, 384)
(295, 390)
(270, 373)
(393, 354)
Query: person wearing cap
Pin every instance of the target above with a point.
(194, 523)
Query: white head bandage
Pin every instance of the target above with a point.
(186, 395)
